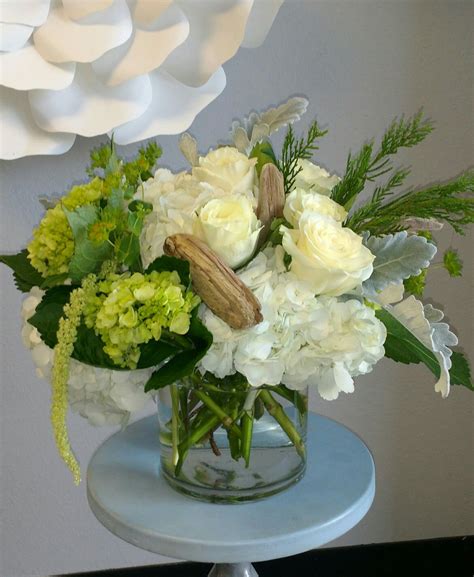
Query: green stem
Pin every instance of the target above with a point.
(246, 424)
(276, 411)
(174, 423)
(226, 420)
(247, 432)
(234, 439)
(292, 396)
(183, 403)
(193, 437)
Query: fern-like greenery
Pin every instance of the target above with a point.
(369, 164)
(452, 203)
(295, 149)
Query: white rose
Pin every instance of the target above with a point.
(315, 178)
(328, 256)
(228, 169)
(300, 200)
(175, 199)
(229, 227)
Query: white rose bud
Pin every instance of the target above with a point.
(328, 256)
(315, 178)
(228, 169)
(300, 200)
(230, 228)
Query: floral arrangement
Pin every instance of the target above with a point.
(252, 271)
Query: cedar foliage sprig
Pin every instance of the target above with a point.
(452, 202)
(295, 149)
(369, 165)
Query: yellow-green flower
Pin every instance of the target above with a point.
(52, 247)
(131, 309)
(82, 194)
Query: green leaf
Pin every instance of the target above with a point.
(170, 263)
(49, 311)
(264, 154)
(116, 199)
(183, 364)
(135, 222)
(403, 347)
(460, 371)
(24, 274)
(129, 251)
(140, 206)
(80, 219)
(88, 256)
(89, 349)
(452, 263)
(54, 280)
(155, 352)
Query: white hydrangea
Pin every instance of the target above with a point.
(102, 396)
(303, 340)
(177, 200)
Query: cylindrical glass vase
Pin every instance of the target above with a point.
(228, 442)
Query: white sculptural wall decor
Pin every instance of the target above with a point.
(134, 68)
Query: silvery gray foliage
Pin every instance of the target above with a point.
(416, 224)
(397, 257)
(441, 336)
(423, 323)
(189, 149)
(258, 126)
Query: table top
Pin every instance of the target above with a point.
(130, 498)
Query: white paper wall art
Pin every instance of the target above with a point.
(134, 68)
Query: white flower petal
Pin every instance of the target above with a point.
(13, 36)
(29, 12)
(172, 109)
(26, 69)
(70, 110)
(61, 39)
(260, 21)
(21, 136)
(145, 50)
(181, 44)
(219, 24)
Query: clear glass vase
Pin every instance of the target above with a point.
(228, 442)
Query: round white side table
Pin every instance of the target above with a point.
(129, 497)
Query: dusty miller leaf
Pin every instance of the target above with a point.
(397, 257)
(287, 113)
(422, 322)
(188, 146)
(257, 127)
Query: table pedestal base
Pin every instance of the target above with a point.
(233, 570)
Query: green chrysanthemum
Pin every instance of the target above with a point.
(52, 246)
(129, 310)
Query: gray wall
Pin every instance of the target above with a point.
(360, 63)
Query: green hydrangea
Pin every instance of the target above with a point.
(88, 193)
(52, 246)
(131, 309)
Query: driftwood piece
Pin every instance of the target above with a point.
(271, 199)
(217, 284)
